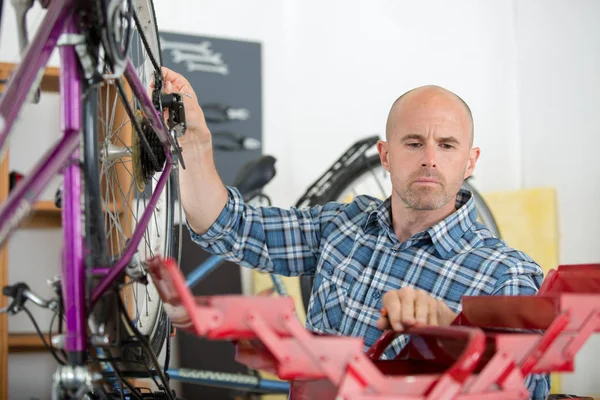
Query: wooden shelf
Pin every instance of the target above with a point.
(46, 206)
(26, 343)
(44, 215)
(50, 81)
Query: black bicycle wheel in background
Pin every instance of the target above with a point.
(366, 176)
(119, 178)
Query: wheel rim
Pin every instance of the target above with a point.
(374, 182)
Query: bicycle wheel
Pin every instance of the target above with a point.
(119, 180)
(367, 176)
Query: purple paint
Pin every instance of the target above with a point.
(22, 198)
(100, 271)
(35, 59)
(24, 195)
(73, 269)
(154, 117)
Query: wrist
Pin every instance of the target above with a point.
(194, 142)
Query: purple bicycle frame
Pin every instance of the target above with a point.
(64, 157)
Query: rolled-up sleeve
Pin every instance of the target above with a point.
(270, 239)
(225, 221)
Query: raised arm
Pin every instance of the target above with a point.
(203, 194)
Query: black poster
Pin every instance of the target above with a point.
(226, 76)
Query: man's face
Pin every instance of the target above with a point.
(428, 150)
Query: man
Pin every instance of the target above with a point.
(415, 254)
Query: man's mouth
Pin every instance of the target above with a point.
(427, 181)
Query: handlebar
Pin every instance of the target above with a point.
(20, 293)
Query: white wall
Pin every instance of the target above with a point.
(559, 103)
(559, 60)
(331, 69)
(351, 60)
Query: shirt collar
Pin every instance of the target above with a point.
(445, 235)
(381, 215)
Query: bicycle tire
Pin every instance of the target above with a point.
(354, 172)
(100, 236)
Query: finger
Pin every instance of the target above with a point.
(445, 315)
(177, 80)
(383, 322)
(164, 71)
(421, 307)
(407, 299)
(168, 87)
(167, 72)
(391, 302)
(432, 316)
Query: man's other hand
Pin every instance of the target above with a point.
(408, 307)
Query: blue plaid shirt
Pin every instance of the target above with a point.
(356, 258)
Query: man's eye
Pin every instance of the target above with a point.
(446, 146)
(414, 145)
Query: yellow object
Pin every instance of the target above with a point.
(262, 281)
(528, 221)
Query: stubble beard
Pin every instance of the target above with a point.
(425, 197)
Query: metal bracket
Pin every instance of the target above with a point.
(78, 41)
(75, 378)
(70, 39)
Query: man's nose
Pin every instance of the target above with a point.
(429, 156)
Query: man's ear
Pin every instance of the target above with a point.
(473, 157)
(382, 148)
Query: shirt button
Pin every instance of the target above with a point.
(330, 271)
(376, 294)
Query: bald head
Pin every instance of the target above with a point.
(430, 98)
